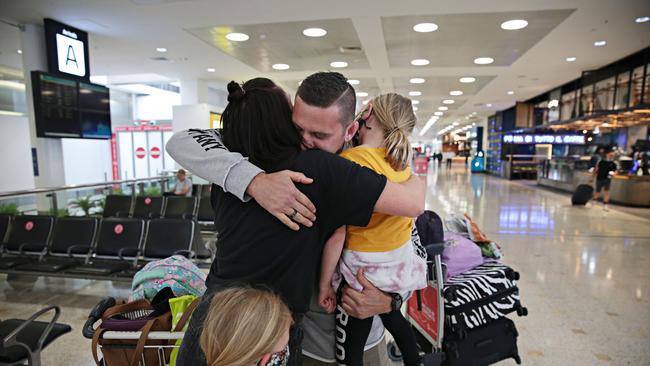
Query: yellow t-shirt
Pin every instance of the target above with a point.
(384, 232)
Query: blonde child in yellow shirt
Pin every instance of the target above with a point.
(383, 249)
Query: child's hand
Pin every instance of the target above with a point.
(327, 299)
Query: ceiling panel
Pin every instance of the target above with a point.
(461, 38)
(284, 43)
(440, 86)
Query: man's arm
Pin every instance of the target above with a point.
(202, 152)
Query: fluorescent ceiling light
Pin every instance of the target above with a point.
(414, 102)
(455, 92)
(314, 32)
(161, 49)
(483, 60)
(210, 69)
(280, 67)
(510, 92)
(641, 19)
(415, 93)
(514, 24)
(467, 79)
(19, 51)
(362, 94)
(353, 82)
(438, 113)
(237, 37)
(600, 43)
(416, 81)
(455, 124)
(339, 64)
(11, 113)
(570, 59)
(443, 108)
(428, 125)
(419, 62)
(448, 101)
(425, 27)
(488, 105)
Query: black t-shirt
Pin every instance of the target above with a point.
(255, 248)
(604, 167)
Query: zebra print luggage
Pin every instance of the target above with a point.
(481, 295)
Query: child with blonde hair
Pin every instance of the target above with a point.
(383, 250)
(246, 327)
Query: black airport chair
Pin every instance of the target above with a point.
(148, 207)
(27, 240)
(117, 248)
(180, 207)
(23, 340)
(206, 212)
(72, 241)
(117, 205)
(5, 223)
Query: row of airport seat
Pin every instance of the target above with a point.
(90, 247)
(151, 207)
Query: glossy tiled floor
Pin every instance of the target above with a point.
(585, 275)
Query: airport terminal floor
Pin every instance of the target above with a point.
(585, 274)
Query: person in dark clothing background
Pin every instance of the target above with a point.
(604, 172)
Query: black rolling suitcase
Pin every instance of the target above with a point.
(582, 195)
(484, 294)
(483, 345)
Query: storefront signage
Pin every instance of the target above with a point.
(544, 139)
(67, 49)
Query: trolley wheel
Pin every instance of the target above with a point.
(393, 352)
(522, 311)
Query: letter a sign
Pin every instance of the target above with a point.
(71, 56)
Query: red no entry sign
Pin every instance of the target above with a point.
(140, 153)
(155, 152)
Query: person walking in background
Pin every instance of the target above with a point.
(604, 172)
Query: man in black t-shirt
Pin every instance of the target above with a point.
(604, 172)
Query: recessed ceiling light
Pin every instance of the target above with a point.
(510, 92)
(473, 124)
(19, 51)
(414, 102)
(353, 82)
(600, 43)
(425, 27)
(455, 92)
(443, 108)
(416, 81)
(280, 67)
(339, 64)
(210, 69)
(314, 32)
(161, 49)
(448, 101)
(570, 59)
(514, 24)
(483, 60)
(237, 37)
(419, 62)
(467, 79)
(488, 105)
(641, 19)
(455, 124)
(362, 94)
(438, 113)
(415, 93)
(415, 108)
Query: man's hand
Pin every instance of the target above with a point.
(369, 302)
(277, 194)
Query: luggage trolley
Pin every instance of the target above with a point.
(425, 311)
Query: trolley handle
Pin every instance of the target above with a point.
(95, 314)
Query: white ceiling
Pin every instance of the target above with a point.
(124, 35)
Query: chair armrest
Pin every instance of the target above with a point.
(189, 254)
(21, 248)
(121, 214)
(187, 216)
(120, 253)
(11, 338)
(78, 246)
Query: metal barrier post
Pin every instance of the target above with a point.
(53, 203)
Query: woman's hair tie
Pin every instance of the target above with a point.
(235, 92)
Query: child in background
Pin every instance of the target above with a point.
(246, 327)
(383, 249)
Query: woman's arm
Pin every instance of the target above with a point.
(403, 199)
(331, 255)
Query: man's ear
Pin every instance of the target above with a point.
(351, 130)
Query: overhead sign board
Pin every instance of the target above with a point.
(67, 50)
(544, 139)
